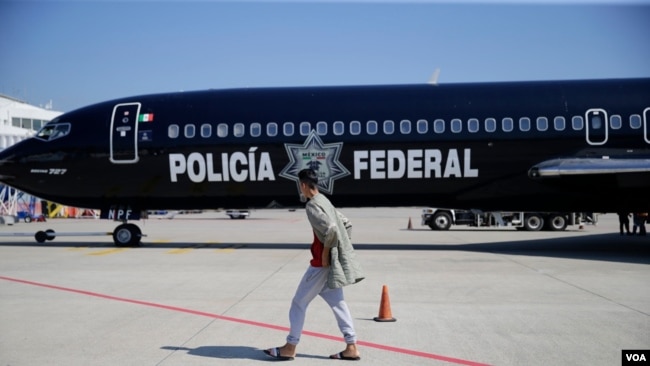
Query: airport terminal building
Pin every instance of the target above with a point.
(19, 120)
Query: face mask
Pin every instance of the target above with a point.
(303, 198)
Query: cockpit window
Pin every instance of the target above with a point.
(53, 131)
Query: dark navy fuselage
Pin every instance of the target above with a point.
(457, 145)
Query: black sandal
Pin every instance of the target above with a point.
(340, 356)
(275, 353)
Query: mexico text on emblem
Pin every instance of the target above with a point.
(320, 157)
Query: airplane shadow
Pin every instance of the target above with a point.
(232, 352)
(598, 247)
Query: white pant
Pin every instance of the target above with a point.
(313, 283)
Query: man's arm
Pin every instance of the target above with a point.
(346, 222)
(325, 259)
(331, 237)
(323, 225)
(326, 226)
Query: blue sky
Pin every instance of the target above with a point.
(78, 53)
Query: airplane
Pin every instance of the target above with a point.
(547, 146)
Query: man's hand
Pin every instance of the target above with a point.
(325, 259)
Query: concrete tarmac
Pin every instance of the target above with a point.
(206, 290)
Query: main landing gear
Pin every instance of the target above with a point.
(124, 235)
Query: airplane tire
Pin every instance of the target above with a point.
(533, 222)
(40, 236)
(127, 235)
(440, 221)
(557, 222)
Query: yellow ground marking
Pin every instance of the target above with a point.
(180, 251)
(108, 251)
(77, 248)
(225, 250)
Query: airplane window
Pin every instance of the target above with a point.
(507, 124)
(635, 121)
(256, 129)
(577, 123)
(190, 131)
(542, 123)
(456, 125)
(559, 123)
(355, 127)
(616, 122)
(222, 130)
(287, 128)
(389, 127)
(305, 128)
(238, 130)
(206, 130)
(272, 129)
(372, 127)
(321, 128)
(173, 131)
(61, 129)
(422, 126)
(339, 128)
(472, 125)
(524, 124)
(53, 132)
(405, 127)
(439, 126)
(490, 124)
(596, 122)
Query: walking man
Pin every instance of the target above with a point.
(333, 265)
(624, 222)
(639, 219)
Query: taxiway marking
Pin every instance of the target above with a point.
(383, 347)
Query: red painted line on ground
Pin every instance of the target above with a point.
(248, 322)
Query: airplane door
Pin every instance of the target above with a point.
(596, 126)
(124, 133)
(646, 125)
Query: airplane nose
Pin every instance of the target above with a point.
(5, 167)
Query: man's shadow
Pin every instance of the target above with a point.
(232, 352)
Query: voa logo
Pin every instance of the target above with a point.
(226, 167)
(635, 357)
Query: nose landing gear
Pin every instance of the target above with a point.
(127, 235)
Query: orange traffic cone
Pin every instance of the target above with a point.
(385, 314)
(410, 226)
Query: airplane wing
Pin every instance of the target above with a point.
(588, 166)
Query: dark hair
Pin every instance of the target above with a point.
(309, 177)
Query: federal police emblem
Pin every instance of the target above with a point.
(320, 157)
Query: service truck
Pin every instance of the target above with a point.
(443, 218)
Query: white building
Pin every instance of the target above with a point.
(19, 120)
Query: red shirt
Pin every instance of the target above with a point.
(316, 252)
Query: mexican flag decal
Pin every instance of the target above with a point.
(148, 117)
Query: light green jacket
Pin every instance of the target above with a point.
(334, 231)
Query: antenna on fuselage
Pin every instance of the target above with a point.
(433, 80)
